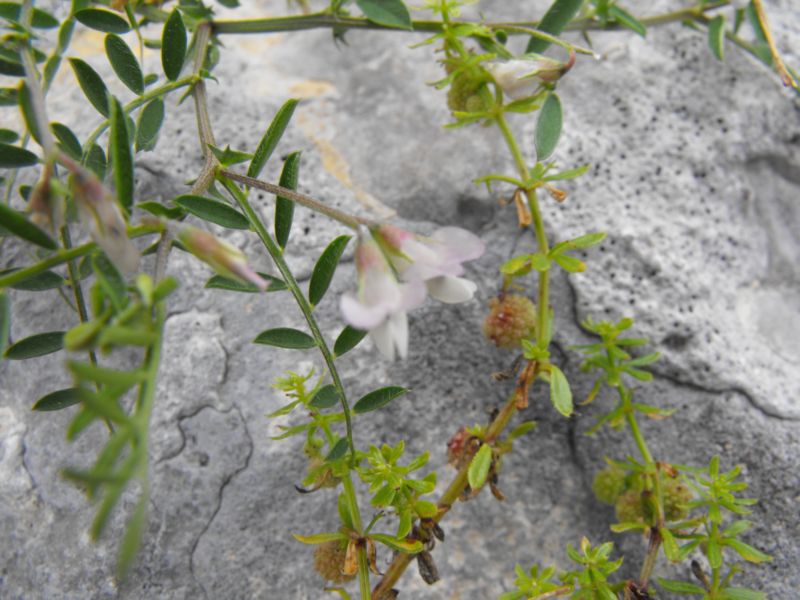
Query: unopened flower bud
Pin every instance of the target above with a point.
(45, 206)
(101, 213)
(220, 256)
(521, 78)
(511, 319)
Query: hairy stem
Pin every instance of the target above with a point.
(326, 20)
(337, 215)
(780, 67)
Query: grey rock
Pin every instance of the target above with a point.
(695, 175)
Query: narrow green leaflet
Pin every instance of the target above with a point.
(92, 85)
(8, 136)
(8, 96)
(338, 451)
(173, 46)
(347, 340)
(557, 17)
(68, 140)
(285, 337)
(124, 63)
(96, 161)
(479, 467)
(36, 345)
(28, 115)
(14, 157)
(102, 20)
(40, 19)
(213, 211)
(46, 280)
(58, 400)
(560, 392)
(318, 538)
(5, 319)
(716, 36)
(400, 545)
(570, 264)
(741, 594)
(680, 587)
(18, 224)
(284, 208)
(106, 376)
(671, 549)
(121, 156)
(548, 127)
(326, 397)
(324, 269)
(391, 13)
(747, 552)
(271, 137)
(110, 280)
(149, 124)
(11, 68)
(132, 538)
(378, 398)
(626, 19)
(220, 282)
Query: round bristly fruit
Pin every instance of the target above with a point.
(329, 561)
(511, 319)
(677, 496)
(630, 508)
(608, 484)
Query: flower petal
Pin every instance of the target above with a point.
(360, 315)
(451, 290)
(383, 340)
(413, 294)
(459, 244)
(398, 327)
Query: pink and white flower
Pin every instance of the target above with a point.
(435, 260)
(381, 304)
(522, 77)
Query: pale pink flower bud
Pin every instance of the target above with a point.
(522, 77)
(220, 256)
(101, 213)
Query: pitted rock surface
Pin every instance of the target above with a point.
(695, 177)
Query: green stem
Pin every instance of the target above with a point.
(136, 103)
(62, 256)
(538, 223)
(315, 205)
(291, 283)
(633, 425)
(328, 21)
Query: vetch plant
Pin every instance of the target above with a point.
(83, 225)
